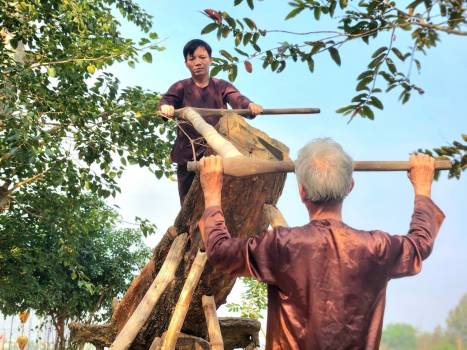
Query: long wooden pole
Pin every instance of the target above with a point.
(183, 303)
(243, 166)
(208, 112)
(214, 329)
(160, 283)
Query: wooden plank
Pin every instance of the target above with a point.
(183, 304)
(158, 286)
(214, 329)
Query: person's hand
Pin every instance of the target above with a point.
(167, 111)
(422, 169)
(211, 172)
(255, 109)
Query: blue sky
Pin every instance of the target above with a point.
(379, 200)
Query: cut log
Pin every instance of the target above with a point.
(243, 200)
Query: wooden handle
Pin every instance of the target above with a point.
(208, 112)
(242, 166)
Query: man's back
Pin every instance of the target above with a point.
(326, 280)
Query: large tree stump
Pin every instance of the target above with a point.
(243, 200)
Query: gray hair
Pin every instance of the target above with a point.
(324, 170)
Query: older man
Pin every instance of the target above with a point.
(326, 281)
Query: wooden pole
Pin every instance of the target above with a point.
(158, 286)
(274, 216)
(214, 329)
(219, 144)
(243, 166)
(183, 303)
(208, 112)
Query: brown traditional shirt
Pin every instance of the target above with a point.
(326, 281)
(185, 93)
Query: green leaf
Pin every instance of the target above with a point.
(250, 4)
(343, 3)
(335, 55)
(379, 51)
(131, 64)
(294, 12)
(359, 98)
(147, 57)
(215, 71)
(311, 64)
(233, 73)
(367, 112)
(209, 28)
(246, 38)
(405, 97)
(51, 72)
(153, 35)
(317, 12)
(344, 109)
(391, 65)
(249, 22)
(374, 101)
(241, 52)
(398, 53)
(237, 2)
(368, 73)
(363, 83)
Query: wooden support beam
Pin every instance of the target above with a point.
(158, 286)
(183, 303)
(243, 166)
(274, 216)
(214, 329)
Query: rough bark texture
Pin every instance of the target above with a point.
(242, 201)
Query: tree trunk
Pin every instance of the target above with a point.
(243, 200)
(59, 323)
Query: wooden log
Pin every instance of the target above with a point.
(209, 112)
(219, 144)
(139, 317)
(274, 216)
(214, 329)
(243, 166)
(156, 344)
(178, 317)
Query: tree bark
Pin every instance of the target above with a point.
(243, 200)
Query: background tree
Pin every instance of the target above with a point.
(399, 336)
(457, 322)
(65, 257)
(389, 68)
(63, 119)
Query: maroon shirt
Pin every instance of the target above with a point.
(185, 93)
(326, 281)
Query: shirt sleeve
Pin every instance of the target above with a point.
(234, 98)
(254, 256)
(173, 96)
(402, 255)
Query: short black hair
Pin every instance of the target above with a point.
(192, 45)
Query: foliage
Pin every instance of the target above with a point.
(389, 67)
(457, 321)
(63, 119)
(399, 336)
(254, 299)
(64, 256)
